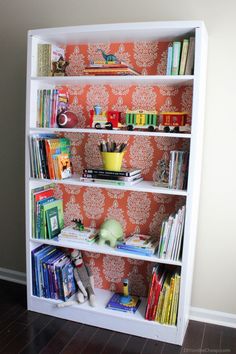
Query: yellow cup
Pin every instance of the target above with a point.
(112, 161)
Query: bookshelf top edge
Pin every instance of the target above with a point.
(136, 31)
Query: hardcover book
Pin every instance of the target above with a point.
(115, 303)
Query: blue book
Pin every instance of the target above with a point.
(37, 254)
(115, 303)
(169, 60)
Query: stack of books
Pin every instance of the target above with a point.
(71, 233)
(47, 213)
(178, 169)
(172, 231)
(50, 157)
(101, 68)
(144, 245)
(116, 303)
(52, 273)
(180, 57)
(124, 177)
(163, 296)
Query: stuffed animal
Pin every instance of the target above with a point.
(110, 232)
(84, 280)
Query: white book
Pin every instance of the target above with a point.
(166, 236)
(172, 236)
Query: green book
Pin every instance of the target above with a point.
(43, 209)
(176, 58)
(52, 220)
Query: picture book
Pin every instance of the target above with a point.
(47, 206)
(110, 181)
(52, 221)
(123, 172)
(64, 166)
(140, 244)
(115, 303)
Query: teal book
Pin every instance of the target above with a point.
(176, 58)
(52, 220)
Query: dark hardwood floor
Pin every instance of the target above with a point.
(22, 331)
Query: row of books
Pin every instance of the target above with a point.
(52, 273)
(163, 296)
(178, 169)
(125, 177)
(180, 57)
(172, 236)
(49, 104)
(47, 213)
(102, 68)
(50, 157)
(47, 54)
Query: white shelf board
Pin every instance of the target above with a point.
(95, 248)
(112, 132)
(144, 186)
(106, 318)
(125, 32)
(160, 80)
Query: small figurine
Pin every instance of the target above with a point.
(84, 280)
(108, 57)
(110, 231)
(59, 67)
(78, 224)
(125, 298)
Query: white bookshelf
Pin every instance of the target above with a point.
(130, 32)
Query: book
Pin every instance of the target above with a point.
(64, 166)
(189, 69)
(110, 181)
(169, 60)
(123, 172)
(115, 303)
(183, 59)
(175, 58)
(108, 176)
(58, 203)
(52, 221)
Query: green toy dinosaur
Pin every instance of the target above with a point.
(108, 57)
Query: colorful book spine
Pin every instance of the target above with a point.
(183, 59)
(175, 58)
(169, 60)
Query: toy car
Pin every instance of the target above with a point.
(174, 122)
(141, 119)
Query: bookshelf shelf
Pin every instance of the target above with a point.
(167, 93)
(105, 250)
(110, 132)
(100, 316)
(160, 80)
(144, 186)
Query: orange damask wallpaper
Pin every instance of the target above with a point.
(137, 212)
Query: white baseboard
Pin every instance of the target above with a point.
(214, 317)
(13, 276)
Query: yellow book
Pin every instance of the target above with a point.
(176, 300)
(160, 306)
(170, 300)
(166, 286)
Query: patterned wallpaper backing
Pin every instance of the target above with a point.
(137, 212)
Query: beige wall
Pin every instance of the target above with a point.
(214, 277)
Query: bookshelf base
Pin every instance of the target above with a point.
(134, 324)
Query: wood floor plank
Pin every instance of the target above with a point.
(17, 327)
(62, 338)
(10, 316)
(211, 339)
(97, 342)
(80, 339)
(193, 337)
(116, 343)
(27, 335)
(46, 334)
(152, 346)
(228, 340)
(171, 348)
(134, 345)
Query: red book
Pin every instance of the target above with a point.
(157, 291)
(150, 295)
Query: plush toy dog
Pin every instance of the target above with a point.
(84, 280)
